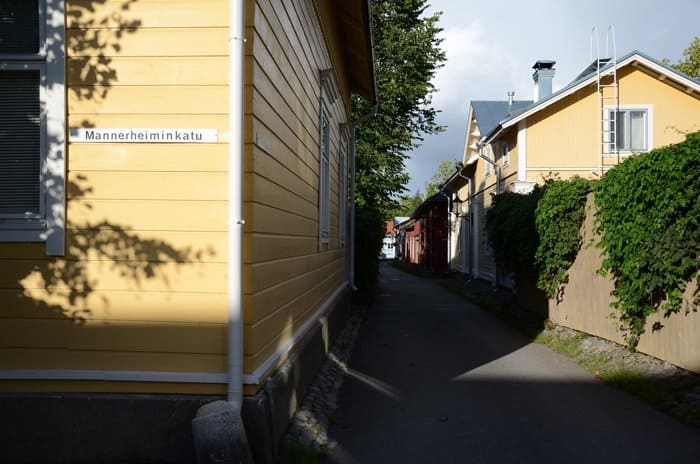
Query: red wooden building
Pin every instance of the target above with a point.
(423, 237)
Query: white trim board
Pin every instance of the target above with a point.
(632, 58)
(114, 376)
(569, 168)
(271, 362)
(522, 151)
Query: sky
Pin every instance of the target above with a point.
(492, 45)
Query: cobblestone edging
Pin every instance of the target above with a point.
(308, 428)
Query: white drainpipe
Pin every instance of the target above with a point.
(235, 204)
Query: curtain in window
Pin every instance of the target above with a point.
(637, 130)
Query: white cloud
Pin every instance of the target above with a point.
(491, 47)
(477, 67)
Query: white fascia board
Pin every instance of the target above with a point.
(472, 159)
(541, 106)
(632, 58)
(467, 132)
(661, 70)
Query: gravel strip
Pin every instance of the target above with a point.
(308, 429)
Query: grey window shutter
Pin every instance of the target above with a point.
(20, 142)
(19, 26)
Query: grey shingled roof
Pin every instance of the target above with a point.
(489, 113)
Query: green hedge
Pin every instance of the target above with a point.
(648, 219)
(369, 235)
(559, 216)
(510, 228)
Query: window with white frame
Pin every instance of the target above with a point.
(505, 151)
(32, 123)
(324, 181)
(487, 165)
(629, 129)
(342, 188)
(329, 94)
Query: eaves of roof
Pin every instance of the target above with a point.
(585, 78)
(437, 198)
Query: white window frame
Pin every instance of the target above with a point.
(342, 185)
(649, 129)
(487, 167)
(505, 154)
(328, 95)
(324, 178)
(49, 225)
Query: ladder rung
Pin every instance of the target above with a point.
(608, 85)
(609, 98)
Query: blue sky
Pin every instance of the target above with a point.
(492, 45)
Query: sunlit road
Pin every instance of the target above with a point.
(435, 380)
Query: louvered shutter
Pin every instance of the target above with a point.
(20, 139)
(19, 26)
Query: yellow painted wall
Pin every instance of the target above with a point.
(565, 134)
(675, 111)
(510, 169)
(287, 275)
(143, 282)
(485, 188)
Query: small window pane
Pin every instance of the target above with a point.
(342, 197)
(325, 198)
(19, 26)
(637, 130)
(620, 137)
(20, 134)
(325, 136)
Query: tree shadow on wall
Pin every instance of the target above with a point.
(92, 35)
(67, 286)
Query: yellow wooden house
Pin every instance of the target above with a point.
(614, 108)
(175, 204)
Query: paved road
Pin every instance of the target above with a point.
(436, 380)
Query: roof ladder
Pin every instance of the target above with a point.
(608, 96)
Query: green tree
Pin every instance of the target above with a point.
(445, 169)
(407, 204)
(690, 63)
(407, 55)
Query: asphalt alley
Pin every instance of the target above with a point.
(434, 379)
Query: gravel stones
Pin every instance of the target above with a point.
(308, 428)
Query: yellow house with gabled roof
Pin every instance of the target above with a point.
(611, 110)
(175, 205)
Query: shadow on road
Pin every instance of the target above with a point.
(436, 379)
